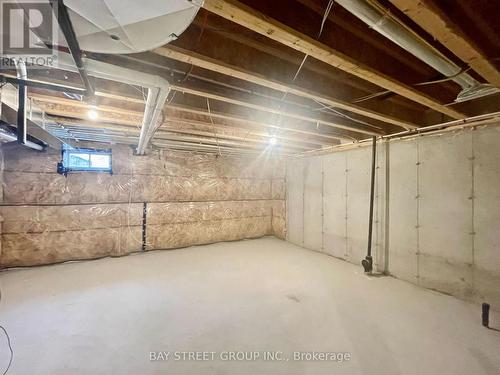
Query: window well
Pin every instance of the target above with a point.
(83, 159)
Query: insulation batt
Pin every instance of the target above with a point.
(190, 199)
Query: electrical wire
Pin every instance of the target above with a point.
(385, 92)
(198, 41)
(300, 68)
(283, 97)
(325, 17)
(213, 126)
(330, 108)
(370, 96)
(446, 79)
(8, 343)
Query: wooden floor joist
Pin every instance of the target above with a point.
(175, 124)
(89, 129)
(297, 139)
(258, 22)
(174, 129)
(312, 65)
(294, 139)
(286, 113)
(208, 63)
(437, 24)
(231, 117)
(113, 115)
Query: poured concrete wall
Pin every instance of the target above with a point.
(295, 201)
(445, 213)
(327, 201)
(436, 214)
(190, 199)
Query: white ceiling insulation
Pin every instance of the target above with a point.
(129, 26)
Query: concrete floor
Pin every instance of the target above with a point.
(106, 316)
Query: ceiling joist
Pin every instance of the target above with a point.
(179, 125)
(93, 130)
(260, 23)
(113, 115)
(208, 63)
(286, 111)
(438, 24)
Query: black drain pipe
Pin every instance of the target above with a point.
(144, 224)
(368, 261)
(485, 316)
(21, 110)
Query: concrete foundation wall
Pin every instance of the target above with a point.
(439, 226)
(189, 199)
(327, 201)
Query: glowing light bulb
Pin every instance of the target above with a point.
(92, 114)
(273, 141)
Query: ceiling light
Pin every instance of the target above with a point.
(92, 114)
(273, 141)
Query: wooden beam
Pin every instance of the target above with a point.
(313, 66)
(40, 98)
(260, 23)
(88, 129)
(205, 62)
(175, 129)
(286, 111)
(231, 117)
(186, 126)
(254, 98)
(73, 108)
(153, 63)
(172, 125)
(295, 140)
(433, 20)
(359, 31)
(70, 110)
(176, 74)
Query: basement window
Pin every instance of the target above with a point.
(84, 160)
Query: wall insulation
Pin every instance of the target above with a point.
(438, 227)
(188, 199)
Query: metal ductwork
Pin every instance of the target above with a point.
(119, 26)
(379, 19)
(32, 120)
(158, 89)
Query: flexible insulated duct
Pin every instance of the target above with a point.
(379, 19)
(158, 89)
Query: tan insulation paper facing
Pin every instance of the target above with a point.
(163, 200)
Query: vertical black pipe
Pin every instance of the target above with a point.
(372, 195)
(21, 113)
(485, 316)
(144, 224)
(368, 261)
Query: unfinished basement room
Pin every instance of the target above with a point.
(285, 187)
